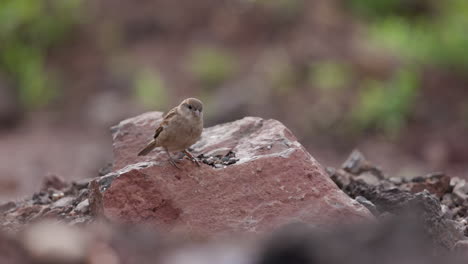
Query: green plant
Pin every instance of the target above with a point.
(441, 44)
(28, 29)
(435, 36)
(386, 105)
(438, 37)
(330, 75)
(150, 89)
(378, 9)
(212, 66)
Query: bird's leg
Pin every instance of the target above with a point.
(191, 157)
(171, 160)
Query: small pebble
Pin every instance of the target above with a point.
(56, 196)
(64, 202)
(82, 207)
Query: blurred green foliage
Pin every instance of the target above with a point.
(28, 28)
(378, 9)
(150, 89)
(437, 35)
(330, 75)
(420, 33)
(386, 105)
(281, 76)
(212, 66)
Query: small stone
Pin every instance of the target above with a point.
(446, 211)
(340, 177)
(447, 199)
(396, 180)
(56, 196)
(63, 202)
(418, 179)
(82, 207)
(368, 204)
(460, 191)
(368, 178)
(357, 163)
(41, 198)
(354, 161)
(81, 184)
(454, 181)
(83, 194)
(7, 206)
(436, 183)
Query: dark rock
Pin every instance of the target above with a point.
(81, 184)
(420, 196)
(7, 206)
(82, 195)
(65, 201)
(460, 190)
(357, 164)
(442, 230)
(41, 198)
(436, 183)
(368, 204)
(82, 207)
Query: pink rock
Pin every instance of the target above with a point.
(274, 182)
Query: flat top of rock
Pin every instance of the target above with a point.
(269, 137)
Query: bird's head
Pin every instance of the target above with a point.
(192, 107)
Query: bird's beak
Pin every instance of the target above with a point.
(198, 113)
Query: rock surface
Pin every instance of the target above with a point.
(255, 177)
(58, 224)
(428, 198)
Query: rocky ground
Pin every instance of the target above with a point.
(258, 197)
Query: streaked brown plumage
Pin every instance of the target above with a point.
(181, 127)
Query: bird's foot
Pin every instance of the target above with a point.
(191, 157)
(174, 163)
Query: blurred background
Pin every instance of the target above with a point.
(388, 77)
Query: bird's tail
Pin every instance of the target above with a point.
(148, 148)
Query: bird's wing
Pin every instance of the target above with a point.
(165, 121)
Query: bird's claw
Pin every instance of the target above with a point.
(192, 158)
(174, 163)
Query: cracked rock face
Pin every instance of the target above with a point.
(254, 177)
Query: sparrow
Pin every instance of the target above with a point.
(180, 128)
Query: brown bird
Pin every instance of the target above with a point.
(181, 127)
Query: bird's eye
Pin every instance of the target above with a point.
(190, 107)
